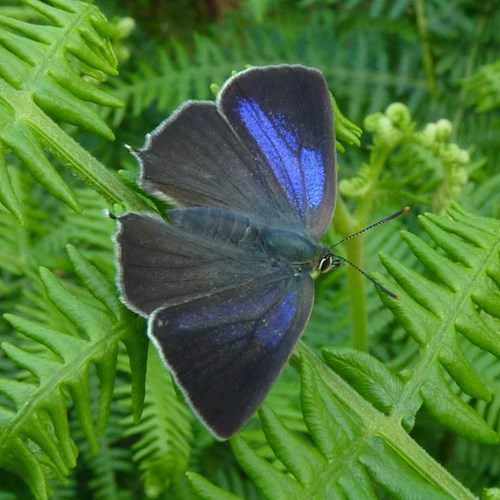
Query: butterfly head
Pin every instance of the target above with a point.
(327, 261)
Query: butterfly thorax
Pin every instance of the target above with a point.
(296, 247)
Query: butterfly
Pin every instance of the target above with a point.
(226, 282)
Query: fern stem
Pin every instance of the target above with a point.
(357, 293)
(384, 427)
(348, 224)
(85, 166)
(469, 70)
(422, 23)
(356, 282)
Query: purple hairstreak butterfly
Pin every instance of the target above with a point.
(226, 282)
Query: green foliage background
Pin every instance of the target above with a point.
(383, 399)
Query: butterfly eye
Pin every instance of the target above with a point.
(326, 263)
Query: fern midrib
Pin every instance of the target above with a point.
(344, 461)
(68, 151)
(57, 49)
(410, 398)
(23, 110)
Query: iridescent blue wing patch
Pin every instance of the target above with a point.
(264, 149)
(226, 350)
(284, 116)
(195, 159)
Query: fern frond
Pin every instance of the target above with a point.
(428, 168)
(481, 131)
(42, 240)
(34, 426)
(164, 434)
(48, 71)
(90, 233)
(477, 463)
(206, 490)
(109, 473)
(456, 299)
(353, 452)
(170, 79)
(483, 87)
(482, 197)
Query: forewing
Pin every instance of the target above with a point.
(195, 159)
(265, 149)
(161, 264)
(226, 350)
(284, 116)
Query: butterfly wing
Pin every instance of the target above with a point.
(226, 350)
(195, 159)
(223, 316)
(284, 115)
(265, 149)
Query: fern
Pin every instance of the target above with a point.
(109, 473)
(44, 70)
(34, 439)
(424, 160)
(58, 88)
(164, 434)
(477, 463)
(337, 419)
(457, 301)
(350, 45)
(483, 89)
(170, 78)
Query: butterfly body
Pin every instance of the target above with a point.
(225, 283)
(276, 245)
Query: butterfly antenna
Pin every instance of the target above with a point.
(371, 226)
(376, 283)
(375, 224)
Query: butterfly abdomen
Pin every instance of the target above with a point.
(220, 224)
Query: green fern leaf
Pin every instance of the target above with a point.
(164, 434)
(483, 87)
(8, 196)
(206, 490)
(35, 426)
(480, 463)
(50, 71)
(367, 375)
(461, 291)
(263, 473)
(355, 451)
(110, 473)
